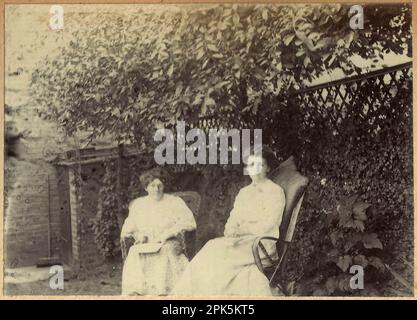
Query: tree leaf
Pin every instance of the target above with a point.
(200, 54)
(323, 43)
(302, 36)
(236, 19)
(344, 282)
(331, 285)
(355, 224)
(170, 70)
(265, 14)
(212, 47)
(334, 236)
(371, 241)
(359, 210)
(288, 38)
(344, 262)
(377, 263)
(300, 53)
(306, 61)
(209, 102)
(361, 260)
(205, 64)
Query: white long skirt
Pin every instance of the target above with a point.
(224, 266)
(153, 273)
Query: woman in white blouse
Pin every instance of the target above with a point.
(225, 266)
(156, 222)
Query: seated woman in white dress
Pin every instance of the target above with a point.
(226, 266)
(156, 222)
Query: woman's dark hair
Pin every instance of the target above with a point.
(266, 152)
(148, 176)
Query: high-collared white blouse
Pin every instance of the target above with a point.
(158, 220)
(257, 210)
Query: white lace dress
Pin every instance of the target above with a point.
(226, 266)
(156, 273)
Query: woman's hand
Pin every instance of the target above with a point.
(178, 249)
(164, 236)
(142, 239)
(232, 230)
(125, 235)
(235, 231)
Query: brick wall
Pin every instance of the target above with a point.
(26, 210)
(26, 197)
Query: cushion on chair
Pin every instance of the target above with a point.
(293, 183)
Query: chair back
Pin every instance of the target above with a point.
(294, 184)
(192, 199)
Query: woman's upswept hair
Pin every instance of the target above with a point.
(148, 176)
(265, 151)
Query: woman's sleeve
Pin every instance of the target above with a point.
(233, 221)
(271, 216)
(184, 219)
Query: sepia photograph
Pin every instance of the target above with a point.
(208, 150)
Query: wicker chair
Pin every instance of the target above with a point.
(294, 185)
(193, 200)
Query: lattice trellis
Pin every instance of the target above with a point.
(367, 101)
(363, 97)
(228, 120)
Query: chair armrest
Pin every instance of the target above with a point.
(123, 249)
(282, 248)
(125, 244)
(278, 265)
(255, 251)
